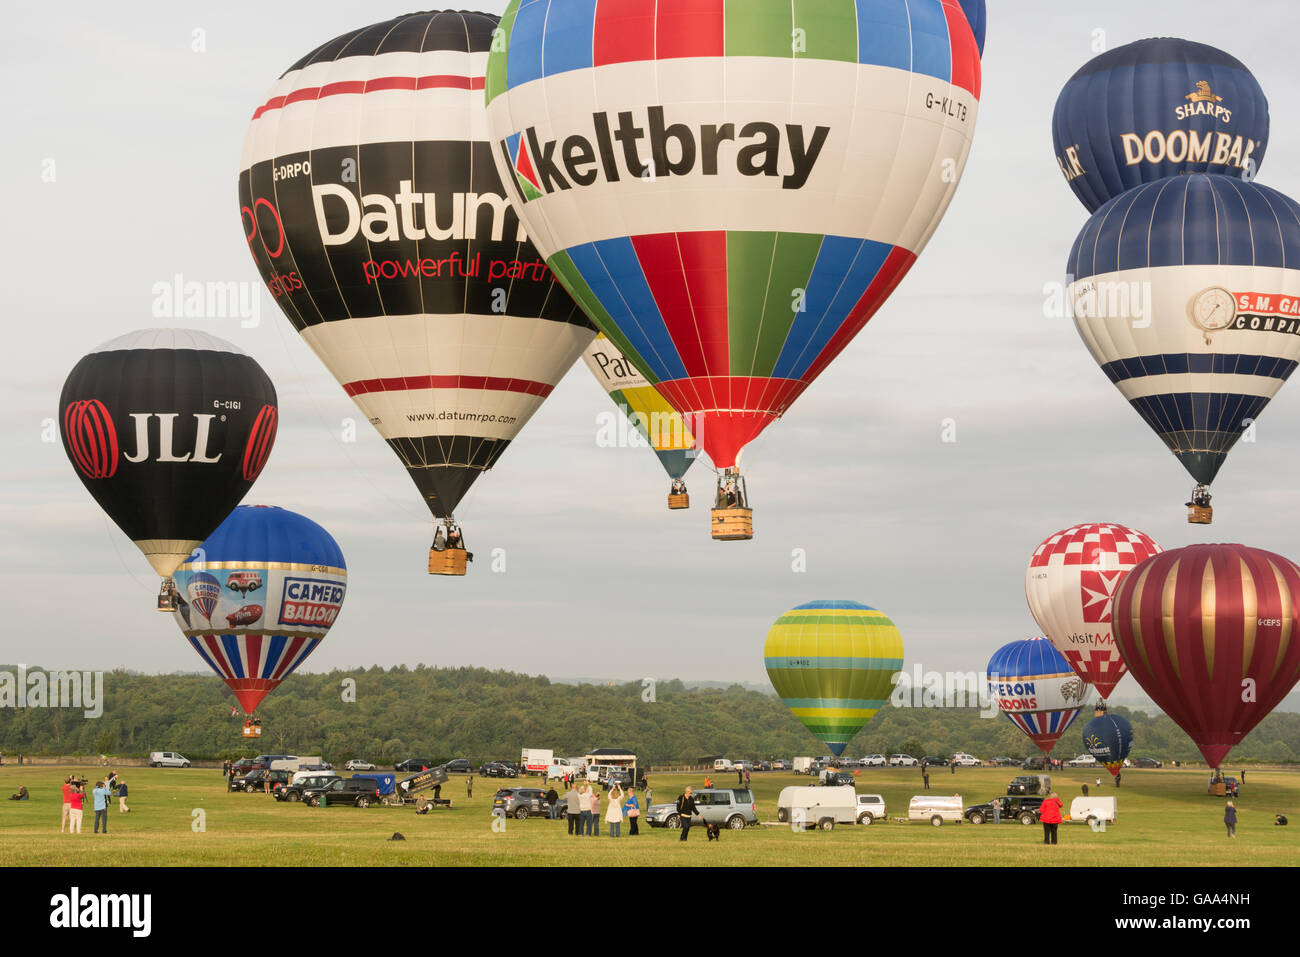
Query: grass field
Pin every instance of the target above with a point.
(1165, 819)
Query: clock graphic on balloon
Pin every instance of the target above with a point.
(1213, 309)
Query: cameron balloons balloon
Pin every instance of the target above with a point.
(652, 418)
(1157, 108)
(254, 644)
(831, 662)
(1034, 686)
(1187, 293)
(374, 212)
(1210, 633)
(977, 17)
(1068, 585)
(168, 429)
(1109, 738)
(728, 206)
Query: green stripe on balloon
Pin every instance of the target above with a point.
(763, 271)
(830, 30)
(868, 621)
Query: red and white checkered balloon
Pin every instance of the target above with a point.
(1068, 585)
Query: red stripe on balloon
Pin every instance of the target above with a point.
(624, 32)
(441, 81)
(483, 383)
(260, 440)
(669, 262)
(690, 28)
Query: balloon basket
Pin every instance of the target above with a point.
(733, 524)
(1219, 789)
(679, 500)
(448, 561)
(253, 732)
(167, 595)
(1200, 514)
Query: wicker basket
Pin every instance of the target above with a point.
(679, 500)
(448, 561)
(733, 524)
(1200, 514)
(1219, 788)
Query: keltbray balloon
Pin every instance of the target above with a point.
(1036, 689)
(167, 429)
(1210, 633)
(831, 662)
(1157, 108)
(977, 17)
(650, 415)
(376, 218)
(1187, 293)
(1068, 585)
(1109, 738)
(729, 206)
(271, 584)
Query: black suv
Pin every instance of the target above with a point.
(459, 766)
(498, 769)
(359, 792)
(1025, 784)
(256, 780)
(1024, 809)
(415, 764)
(1034, 764)
(1146, 763)
(293, 792)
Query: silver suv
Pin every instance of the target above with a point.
(730, 807)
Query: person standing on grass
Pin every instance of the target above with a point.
(121, 798)
(614, 814)
(469, 785)
(573, 810)
(75, 798)
(584, 798)
(633, 811)
(1050, 815)
(1230, 818)
(594, 829)
(67, 802)
(101, 794)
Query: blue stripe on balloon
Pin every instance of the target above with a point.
(232, 645)
(1181, 363)
(273, 655)
(258, 534)
(524, 63)
(782, 662)
(613, 273)
(931, 48)
(567, 23)
(837, 604)
(1198, 411)
(884, 34)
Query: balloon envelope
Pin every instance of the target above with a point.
(168, 429)
(831, 663)
(1036, 689)
(1210, 633)
(376, 218)
(1109, 738)
(254, 645)
(730, 207)
(1068, 585)
(1156, 108)
(977, 17)
(1185, 291)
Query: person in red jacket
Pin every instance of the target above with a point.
(1050, 815)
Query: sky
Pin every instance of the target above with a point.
(125, 125)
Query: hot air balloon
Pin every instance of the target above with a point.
(977, 17)
(1157, 108)
(254, 645)
(831, 662)
(1068, 585)
(1034, 687)
(1187, 293)
(1109, 738)
(374, 212)
(1210, 633)
(168, 429)
(731, 207)
(657, 422)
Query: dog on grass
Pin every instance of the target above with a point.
(715, 832)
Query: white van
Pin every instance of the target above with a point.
(935, 808)
(295, 763)
(167, 759)
(803, 765)
(1087, 810)
(817, 807)
(722, 764)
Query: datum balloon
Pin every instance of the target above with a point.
(1157, 108)
(168, 429)
(1109, 739)
(731, 205)
(1068, 585)
(1210, 633)
(253, 645)
(831, 663)
(375, 215)
(1187, 293)
(1036, 689)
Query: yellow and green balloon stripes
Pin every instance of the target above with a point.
(831, 663)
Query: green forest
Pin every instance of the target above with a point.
(388, 715)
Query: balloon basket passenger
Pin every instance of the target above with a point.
(1199, 511)
(448, 554)
(678, 497)
(733, 519)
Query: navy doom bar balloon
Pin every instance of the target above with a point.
(1157, 108)
(168, 429)
(1109, 738)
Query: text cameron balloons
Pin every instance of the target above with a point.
(1068, 585)
(831, 663)
(729, 206)
(272, 583)
(1034, 686)
(1157, 108)
(375, 215)
(168, 429)
(1210, 633)
(1185, 291)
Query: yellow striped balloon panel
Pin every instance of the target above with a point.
(831, 663)
(649, 412)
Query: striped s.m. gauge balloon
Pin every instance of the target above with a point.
(831, 663)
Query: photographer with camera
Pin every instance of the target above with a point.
(76, 797)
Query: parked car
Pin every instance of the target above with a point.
(521, 803)
(1147, 763)
(167, 759)
(874, 761)
(964, 760)
(732, 807)
(292, 792)
(256, 780)
(497, 769)
(930, 761)
(831, 779)
(903, 761)
(1082, 761)
(1030, 784)
(1005, 762)
(356, 764)
(359, 792)
(459, 766)
(780, 765)
(871, 807)
(1023, 808)
(243, 766)
(415, 764)
(1033, 764)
